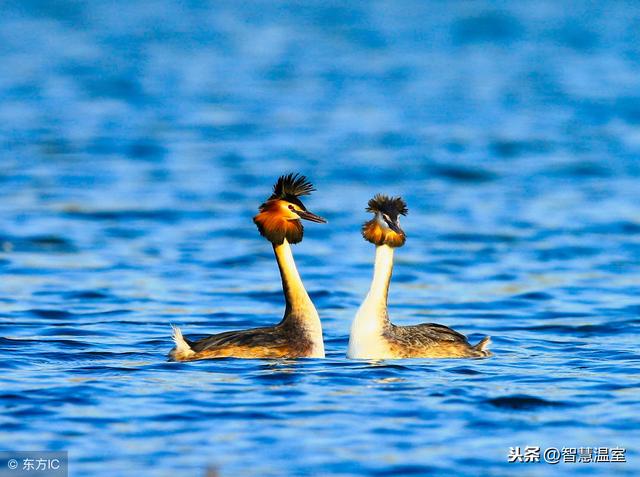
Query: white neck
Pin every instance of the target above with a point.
(299, 307)
(372, 318)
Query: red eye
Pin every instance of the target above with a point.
(291, 207)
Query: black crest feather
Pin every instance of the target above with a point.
(392, 206)
(291, 186)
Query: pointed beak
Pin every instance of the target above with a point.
(306, 215)
(393, 225)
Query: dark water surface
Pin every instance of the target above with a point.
(137, 140)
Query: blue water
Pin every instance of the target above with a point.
(137, 140)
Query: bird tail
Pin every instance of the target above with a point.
(482, 345)
(182, 351)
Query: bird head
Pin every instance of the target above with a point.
(279, 216)
(384, 227)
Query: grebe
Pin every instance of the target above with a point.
(373, 336)
(299, 334)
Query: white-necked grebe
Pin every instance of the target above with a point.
(373, 336)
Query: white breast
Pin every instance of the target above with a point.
(366, 340)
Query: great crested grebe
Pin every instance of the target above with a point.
(299, 334)
(373, 336)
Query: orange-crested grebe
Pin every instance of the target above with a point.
(373, 336)
(299, 334)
